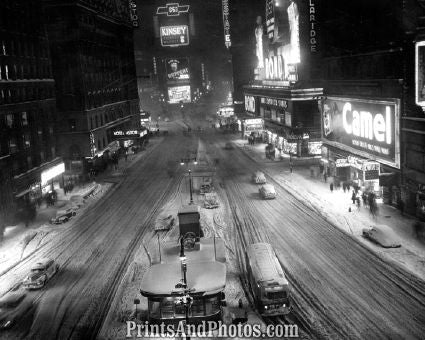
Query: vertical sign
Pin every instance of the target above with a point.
(133, 13)
(420, 73)
(313, 21)
(226, 23)
(270, 19)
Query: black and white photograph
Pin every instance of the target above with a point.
(218, 169)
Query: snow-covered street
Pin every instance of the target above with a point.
(341, 288)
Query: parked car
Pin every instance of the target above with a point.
(267, 191)
(13, 306)
(382, 235)
(40, 273)
(63, 216)
(259, 178)
(229, 146)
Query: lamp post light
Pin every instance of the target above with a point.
(187, 161)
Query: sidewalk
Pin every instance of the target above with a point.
(334, 206)
(16, 238)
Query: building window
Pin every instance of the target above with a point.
(24, 119)
(27, 141)
(9, 120)
(13, 146)
(51, 130)
(29, 162)
(42, 156)
(99, 146)
(72, 124)
(97, 121)
(53, 150)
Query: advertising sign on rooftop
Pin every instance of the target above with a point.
(420, 73)
(363, 126)
(177, 69)
(177, 94)
(177, 35)
(172, 9)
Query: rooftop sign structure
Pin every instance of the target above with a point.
(172, 9)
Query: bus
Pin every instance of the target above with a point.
(267, 280)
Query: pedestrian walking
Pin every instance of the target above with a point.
(290, 166)
(331, 187)
(418, 229)
(325, 176)
(353, 197)
(400, 205)
(344, 186)
(358, 202)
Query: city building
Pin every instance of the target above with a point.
(282, 93)
(373, 131)
(175, 61)
(91, 44)
(28, 157)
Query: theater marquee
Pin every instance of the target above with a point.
(369, 128)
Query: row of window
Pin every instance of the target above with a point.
(15, 71)
(16, 47)
(18, 143)
(19, 94)
(23, 164)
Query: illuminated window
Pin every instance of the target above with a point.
(9, 120)
(24, 118)
(27, 141)
(13, 146)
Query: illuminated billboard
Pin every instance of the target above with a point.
(279, 63)
(177, 69)
(177, 94)
(369, 128)
(420, 73)
(177, 35)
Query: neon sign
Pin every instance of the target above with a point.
(226, 23)
(174, 35)
(172, 9)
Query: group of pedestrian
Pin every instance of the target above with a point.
(251, 140)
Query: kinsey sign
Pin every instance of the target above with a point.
(174, 35)
(364, 125)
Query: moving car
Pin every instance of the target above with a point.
(205, 188)
(40, 273)
(211, 201)
(259, 178)
(228, 146)
(63, 216)
(13, 306)
(267, 191)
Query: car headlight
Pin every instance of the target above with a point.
(7, 323)
(266, 307)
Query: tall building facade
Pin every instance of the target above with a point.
(27, 106)
(282, 95)
(96, 89)
(372, 129)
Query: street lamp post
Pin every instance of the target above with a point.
(187, 161)
(190, 187)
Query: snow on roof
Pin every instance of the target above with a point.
(203, 277)
(170, 251)
(187, 209)
(264, 264)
